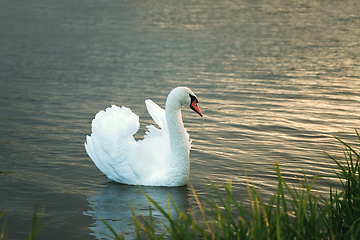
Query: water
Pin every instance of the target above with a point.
(275, 79)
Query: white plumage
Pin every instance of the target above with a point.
(160, 159)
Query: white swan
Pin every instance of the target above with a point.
(160, 159)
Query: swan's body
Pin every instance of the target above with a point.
(160, 159)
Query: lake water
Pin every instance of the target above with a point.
(275, 80)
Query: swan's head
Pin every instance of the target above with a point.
(186, 98)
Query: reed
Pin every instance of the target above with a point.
(344, 218)
(224, 217)
(35, 227)
(4, 232)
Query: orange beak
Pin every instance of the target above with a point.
(194, 106)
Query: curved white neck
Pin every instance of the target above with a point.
(179, 142)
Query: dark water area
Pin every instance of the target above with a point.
(275, 79)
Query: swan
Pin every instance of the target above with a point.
(160, 159)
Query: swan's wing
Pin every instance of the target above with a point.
(156, 157)
(112, 140)
(155, 147)
(157, 113)
(156, 140)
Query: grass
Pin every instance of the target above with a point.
(35, 227)
(344, 218)
(4, 233)
(293, 212)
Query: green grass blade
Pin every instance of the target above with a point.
(136, 222)
(116, 236)
(35, 229)
(4, 231)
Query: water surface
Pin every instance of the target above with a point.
(275, 79)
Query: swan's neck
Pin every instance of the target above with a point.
(179, 142)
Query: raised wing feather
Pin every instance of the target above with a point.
(157, 113)
(156, 143)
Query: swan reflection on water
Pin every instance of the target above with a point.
(112, 204)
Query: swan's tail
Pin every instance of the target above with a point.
(108, 145)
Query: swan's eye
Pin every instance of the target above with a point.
(193, 98)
